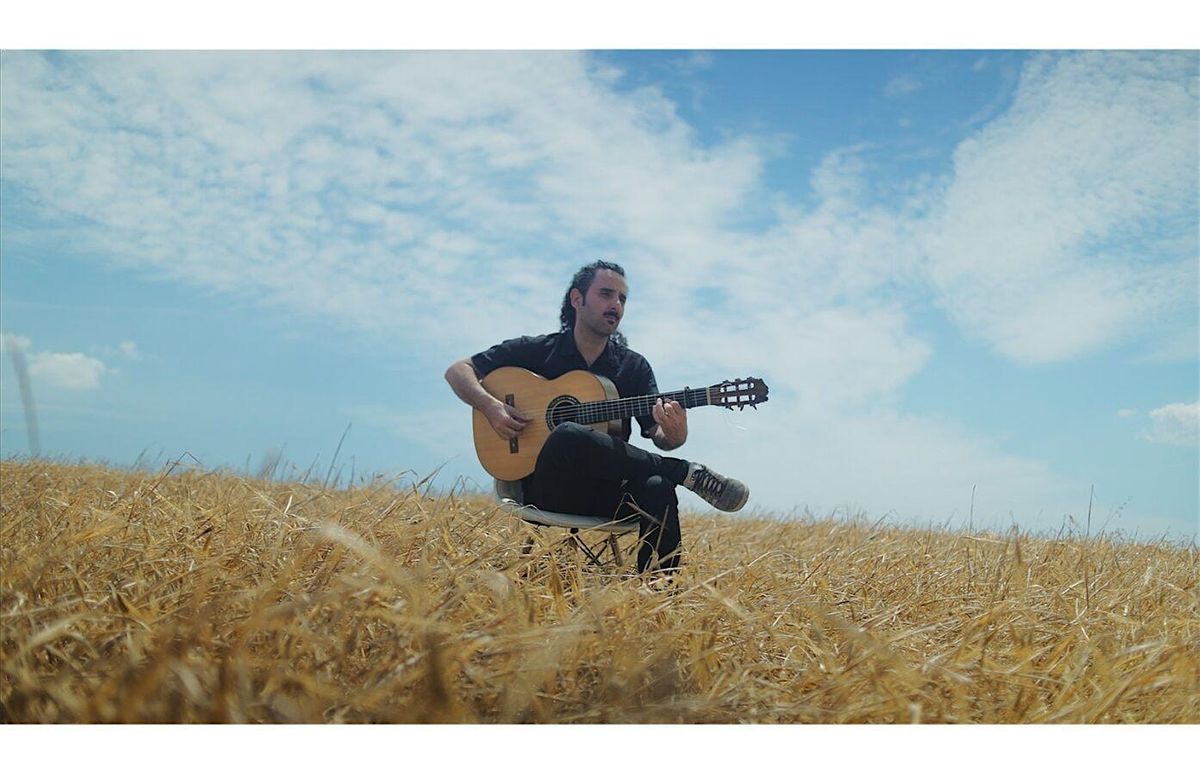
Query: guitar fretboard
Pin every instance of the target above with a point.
(622, 408)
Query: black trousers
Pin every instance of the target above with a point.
(584, 471)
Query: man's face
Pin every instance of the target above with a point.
(604, 306)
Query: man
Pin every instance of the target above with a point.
(583, 471)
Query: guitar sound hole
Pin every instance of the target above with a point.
(561, 410)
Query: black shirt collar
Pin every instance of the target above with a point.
(567, 348)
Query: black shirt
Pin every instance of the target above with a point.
(553, 355)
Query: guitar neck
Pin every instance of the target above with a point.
(623, 408)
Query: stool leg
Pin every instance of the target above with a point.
(615, 548)
(582, 545)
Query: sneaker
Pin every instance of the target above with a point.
(722, 492)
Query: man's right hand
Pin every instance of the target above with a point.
(507, 421)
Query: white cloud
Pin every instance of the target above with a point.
(1175, 424)
(69, 371)
(361, 186)
(901, 86)
(130, 350)
(72, 371)
(9, 341)
(366, 186)
(1044, 241)
(697, 60)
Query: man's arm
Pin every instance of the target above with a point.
(508, 421)
(464, 381)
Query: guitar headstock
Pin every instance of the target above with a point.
(741, 393)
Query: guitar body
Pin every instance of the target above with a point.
(543, 399)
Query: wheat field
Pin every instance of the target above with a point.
(192, 596)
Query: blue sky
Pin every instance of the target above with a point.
(969, 277)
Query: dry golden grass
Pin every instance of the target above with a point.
(131, 596)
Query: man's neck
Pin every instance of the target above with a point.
(589, 344)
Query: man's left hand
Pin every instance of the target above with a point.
(672, 418)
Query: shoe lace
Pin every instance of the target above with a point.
(708, 484)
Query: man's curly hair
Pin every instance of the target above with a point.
(583, 281)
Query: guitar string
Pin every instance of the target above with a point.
(600, 411)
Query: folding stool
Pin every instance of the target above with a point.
(512, 500)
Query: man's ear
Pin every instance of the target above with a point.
(576, 298)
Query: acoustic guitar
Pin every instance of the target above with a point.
(582, 397)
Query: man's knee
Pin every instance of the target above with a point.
(565, 438)
(566, 433)
(654, 494)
